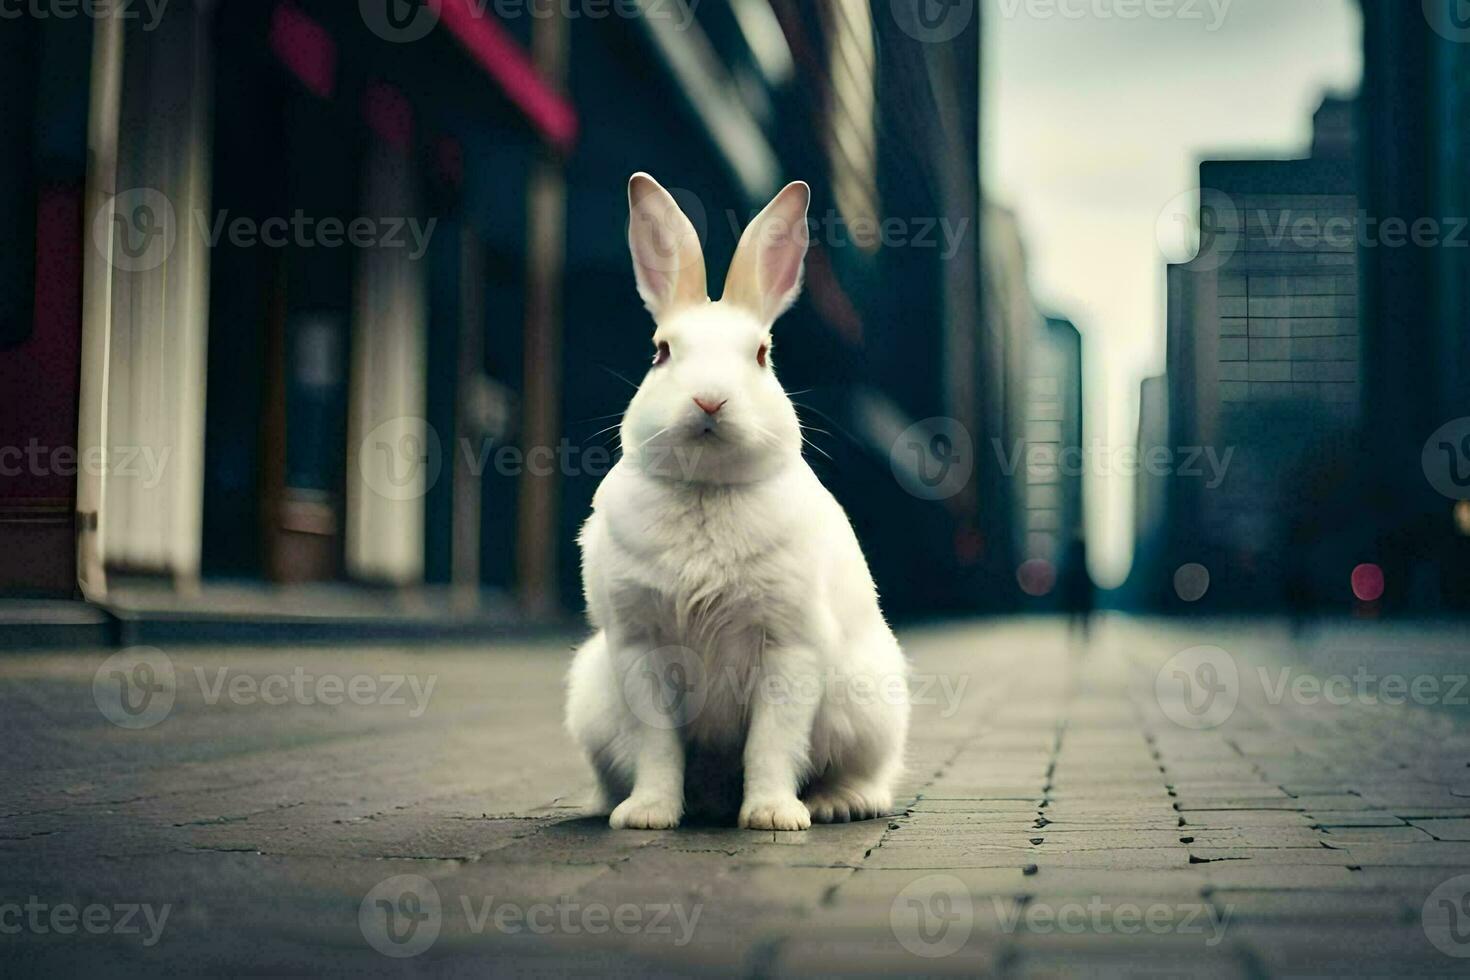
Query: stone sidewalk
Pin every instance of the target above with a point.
(1194, 800)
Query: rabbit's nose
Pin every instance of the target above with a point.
(709, 405)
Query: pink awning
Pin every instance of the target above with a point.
(498, 53)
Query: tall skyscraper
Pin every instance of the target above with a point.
(1264, 366)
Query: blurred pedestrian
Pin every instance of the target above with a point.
(1077, 589)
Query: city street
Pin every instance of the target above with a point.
(1259, 808)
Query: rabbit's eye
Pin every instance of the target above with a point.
(661, 355)
(760, 355)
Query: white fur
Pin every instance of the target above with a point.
(714, 560)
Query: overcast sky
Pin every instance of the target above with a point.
(1094, 124)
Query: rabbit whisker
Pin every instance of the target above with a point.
(654, 436)
(599, 418)
(618, 376)
(818, 448)
(599, 432)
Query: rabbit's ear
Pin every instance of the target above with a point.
(667, 258)
(765, 275)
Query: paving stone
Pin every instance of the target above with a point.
(1342, 836)
(1411, 882)
(1448, 829)
(1128, 859)
(1434, 854)
(1175, 883)
(1261, 837)
(1060, 787)
(867, 883)
(858, 953)
(1198, 792)
(1309, 908)
(1315, 854)
(1245, 820)
(935, 859)
(1252, 875)
(1350, 949)
(1063, 836)
(1228, 965)
(976, 804)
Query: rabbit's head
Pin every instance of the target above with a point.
(710, 409)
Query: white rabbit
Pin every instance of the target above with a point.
(739, 632)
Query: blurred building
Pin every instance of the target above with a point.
(1265, 376)
(1150, 578)
(1053, 520)
(316, 296)
(1320, 337)
(1034, 395)
(1416, 298)
(43, 169)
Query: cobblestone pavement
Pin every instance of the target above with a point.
(1137, 806)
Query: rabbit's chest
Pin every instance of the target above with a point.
(708, 570)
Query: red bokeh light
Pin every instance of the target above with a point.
(1368, 582)
(1036, 576)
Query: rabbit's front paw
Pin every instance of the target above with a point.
(839, 804)
(778, 814)
(645, 814)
